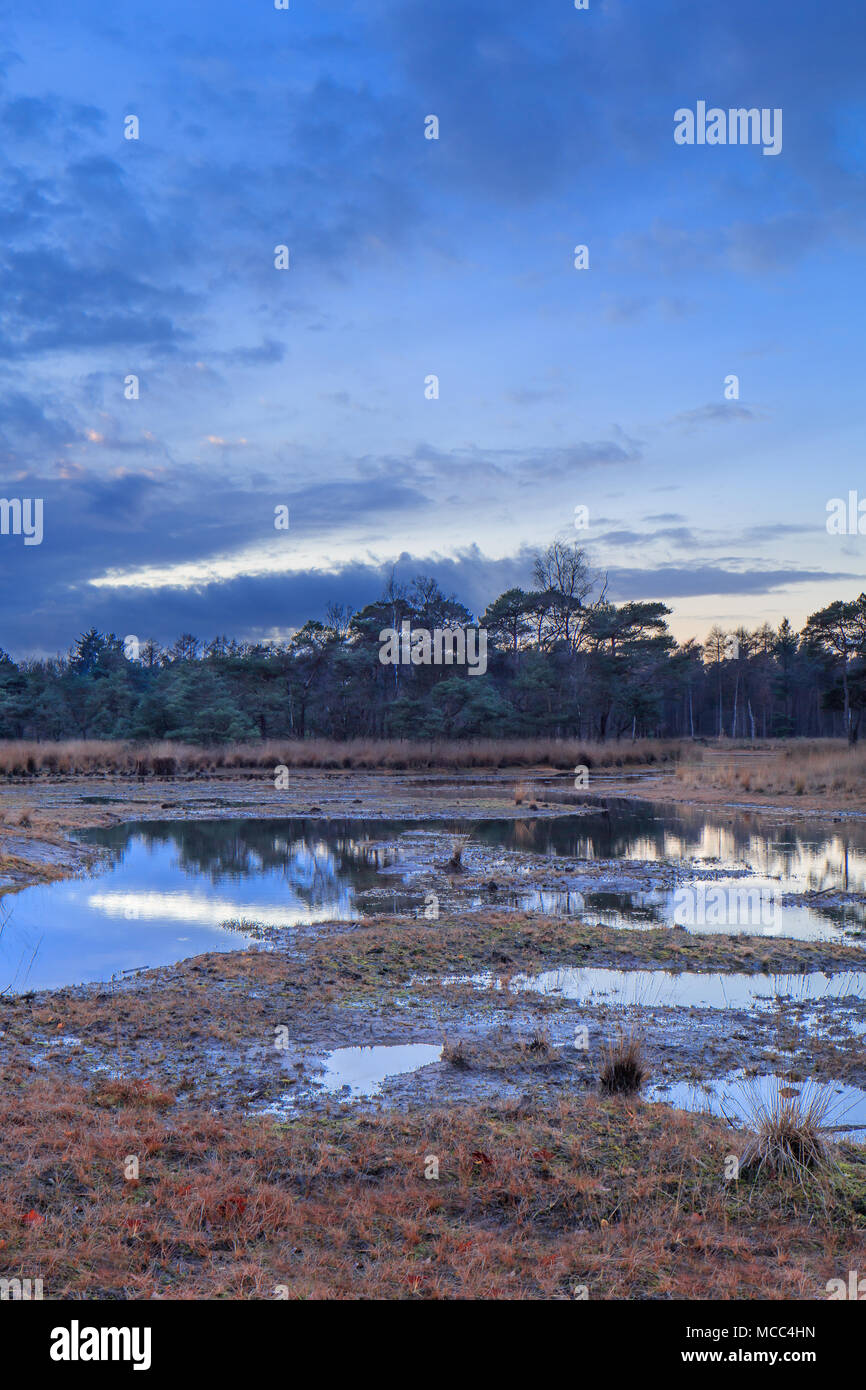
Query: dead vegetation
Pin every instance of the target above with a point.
(801, 768)
(788, 1133)
(623, 1068)
(616, 1197)
(96, 757)
(539, 1044)
(455, 864)
(455, 1055)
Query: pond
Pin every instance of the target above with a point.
(170, 888)
(803, 856)
(354, 1072)
(732, 870)
(173, 889)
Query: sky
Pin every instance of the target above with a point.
(308, 388)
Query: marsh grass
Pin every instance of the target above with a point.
(95, 757)
(623, 1068)
(455, 864)
(539, 1044)
(455, 1054)
(530, 1201)
(802, 767)
(787, 1136)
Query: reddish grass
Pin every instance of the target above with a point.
(623, 1198)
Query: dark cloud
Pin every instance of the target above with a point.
(780, 529)
(670, 582)
(29, 425)
(96, 522)
(55, 304)
(253, 607)
(247, 607)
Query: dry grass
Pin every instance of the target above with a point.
(455, 863)
(621, 1198)
(539, 1044)
(804, 767)
(455, 1054)
(787, 1133)
(623, 1068)
(93, 757)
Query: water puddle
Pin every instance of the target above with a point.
(352, 1073)
(360, 1071)
(806, 856)
(176, 889)
(737, 1096)
(611, 909)
(685, 989)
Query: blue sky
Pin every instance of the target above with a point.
(409, 257)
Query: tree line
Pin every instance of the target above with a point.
(563, 661)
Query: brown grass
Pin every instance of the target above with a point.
(788, 1138)
(623, 1068)
(94, 757)
(804, 767)
(455, 1054)
(455, 863)
(621, 1198)
(539, 1044)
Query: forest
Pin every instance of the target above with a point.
(563, 661)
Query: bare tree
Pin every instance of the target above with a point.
(563, 574)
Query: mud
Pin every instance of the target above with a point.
(251, 1030)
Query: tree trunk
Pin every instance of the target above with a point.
(850, 733)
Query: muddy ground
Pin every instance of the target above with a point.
(254, 1178)
(248, 1030)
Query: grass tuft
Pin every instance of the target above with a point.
(623, 1068)
(788, 1139)
(455, 1053)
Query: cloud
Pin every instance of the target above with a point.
(679, 535)
(716, 412)
(249, 606)
(671, 582)
(267, 352)
(779, 529)
(53, 304)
